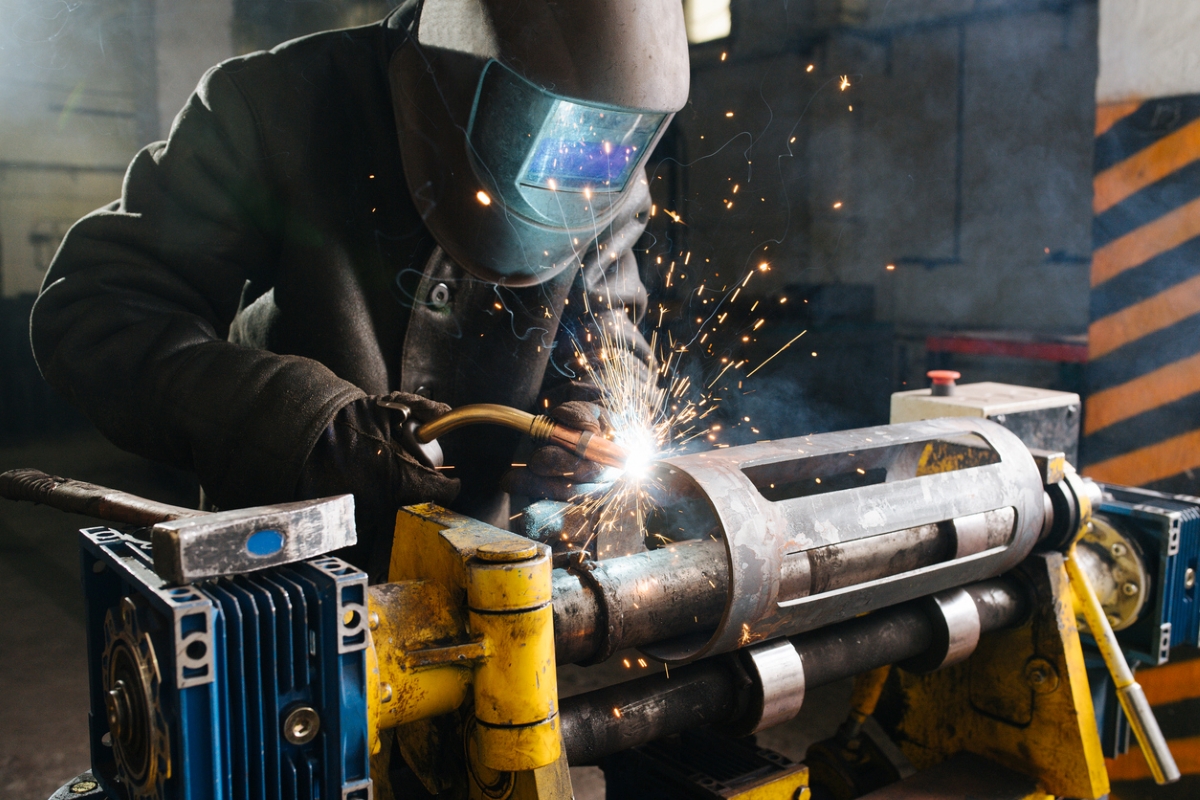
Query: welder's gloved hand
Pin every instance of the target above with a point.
(557, 474)
(361, 452)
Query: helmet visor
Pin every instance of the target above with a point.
(537, 149)
(583, 147)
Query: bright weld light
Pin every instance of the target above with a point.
(483, 197)
(640, 457)
(640, 447)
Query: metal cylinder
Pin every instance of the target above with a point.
(675, 596)
(778, 675)
(610, 720)
(601, 607)
(956, 629)
(720, 691)
(899, 510)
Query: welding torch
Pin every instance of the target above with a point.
(98, 501)
(539, 427)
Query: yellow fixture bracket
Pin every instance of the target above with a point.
(1021, 700)
(465, 625)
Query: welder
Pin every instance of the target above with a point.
(410, 211)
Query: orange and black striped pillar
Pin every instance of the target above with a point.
(1141, 422)
(1174, 693)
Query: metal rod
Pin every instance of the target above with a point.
(79, 497)
(607, 721)
(715, 690)
(1129, 693)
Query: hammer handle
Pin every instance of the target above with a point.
(79, 497)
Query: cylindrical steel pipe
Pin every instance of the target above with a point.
(794, 513)
(715, 690)
(681, 590)
(626, 602)
(607, 721)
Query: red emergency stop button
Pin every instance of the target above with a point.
(943, 381)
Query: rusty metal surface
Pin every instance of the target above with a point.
(602, 607)
(899, 491)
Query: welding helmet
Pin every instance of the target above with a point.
(525, 126)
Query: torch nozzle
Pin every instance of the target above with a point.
(539, 427)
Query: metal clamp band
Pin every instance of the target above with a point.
(605, 639)
(779, 673)
(956, 630)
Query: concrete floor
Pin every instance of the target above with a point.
(43, 670)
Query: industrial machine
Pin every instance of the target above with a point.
(942, 561)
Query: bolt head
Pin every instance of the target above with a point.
(301, 725)
(1118, 549)
(1041, 676)
(1129, 589)
(1189, 578)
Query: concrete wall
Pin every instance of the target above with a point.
(191, 37)
(1148, 48)
(83, 87)
(960, 152)
(72, 86)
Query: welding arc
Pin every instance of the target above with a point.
(539, 427)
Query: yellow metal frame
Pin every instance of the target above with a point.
(462, 639)
(1021, 699)
(462, 668)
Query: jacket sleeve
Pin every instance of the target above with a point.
(604, 310)
(132, 319)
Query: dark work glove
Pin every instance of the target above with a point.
(557, 474)
(362, 453)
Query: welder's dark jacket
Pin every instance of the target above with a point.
(266, 266)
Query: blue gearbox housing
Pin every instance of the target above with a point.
(1165, 530)
(246, 686)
